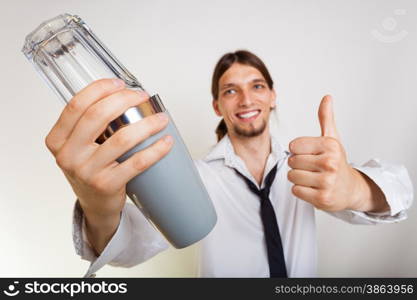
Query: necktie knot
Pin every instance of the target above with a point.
(269, 179)
(264, 193)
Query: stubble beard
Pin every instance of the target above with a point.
(250, 132)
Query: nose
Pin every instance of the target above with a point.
(245, 99)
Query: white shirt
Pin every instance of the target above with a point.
(236, 246)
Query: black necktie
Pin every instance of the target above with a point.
(273, 239)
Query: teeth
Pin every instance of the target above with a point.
(248, 115)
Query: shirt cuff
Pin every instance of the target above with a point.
(81, 243)
(395, 183)
(134, 241)
(115, 246)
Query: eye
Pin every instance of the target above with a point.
(230, 91)
(258, 86)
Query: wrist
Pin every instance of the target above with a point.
(100, 231)
(103, 226)
(100, 228)
(367, 196)
(361, 193)
(99, 217)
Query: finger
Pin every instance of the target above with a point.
(326, 118)
(141, 161)
(305, 193)
(305, 162)
(125, 139)
(305, 178)
(76, 107)
(95, 120)
(307, 145)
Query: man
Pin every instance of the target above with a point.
(264, 197)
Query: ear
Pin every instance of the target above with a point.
(215, 104)
(273, 99)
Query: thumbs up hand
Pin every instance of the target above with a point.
(321, 174)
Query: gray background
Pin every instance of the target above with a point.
(362, 52)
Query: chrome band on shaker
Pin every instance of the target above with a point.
(152, 106)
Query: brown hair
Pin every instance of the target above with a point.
(225, 62)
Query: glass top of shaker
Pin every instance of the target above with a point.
(46, 31)
(67, 41)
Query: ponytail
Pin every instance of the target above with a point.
(221, 130)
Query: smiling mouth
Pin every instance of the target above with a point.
(249, 115)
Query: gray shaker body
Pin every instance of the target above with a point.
(171, 194)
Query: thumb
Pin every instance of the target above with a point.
(326, 118)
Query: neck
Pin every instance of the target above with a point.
(254, 151)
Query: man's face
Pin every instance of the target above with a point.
(244, 100)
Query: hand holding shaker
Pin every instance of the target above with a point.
(170, 194)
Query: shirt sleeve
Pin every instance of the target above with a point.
(394, 182)
(134, 242)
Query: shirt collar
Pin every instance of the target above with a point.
(224, 150)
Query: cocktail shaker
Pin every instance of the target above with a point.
(171, 195)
